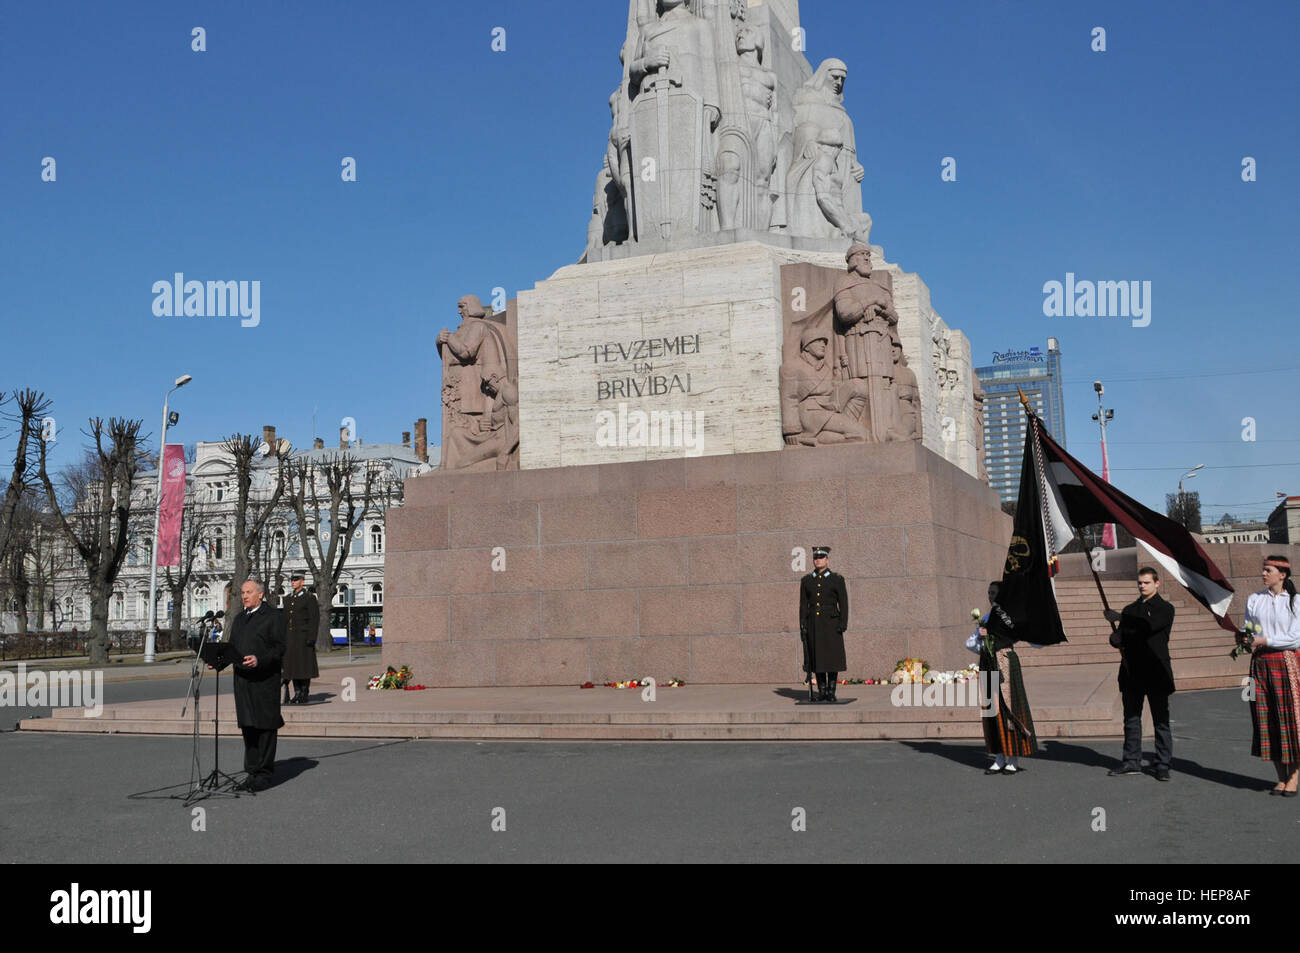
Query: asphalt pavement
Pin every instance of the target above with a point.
(92, 799)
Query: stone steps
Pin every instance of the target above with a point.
(869, 716)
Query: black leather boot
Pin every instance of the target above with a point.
(830, 686)
(302, 691)
(287, 700)
(813, 697)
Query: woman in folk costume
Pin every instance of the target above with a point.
(1008, 722)
(1276, 674)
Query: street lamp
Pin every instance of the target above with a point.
(149, 639)
(1189, 475)
(1102, 416)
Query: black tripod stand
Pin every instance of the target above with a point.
(216, 782)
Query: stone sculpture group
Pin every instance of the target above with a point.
(704, 139)
(850, 380)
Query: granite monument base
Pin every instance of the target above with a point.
(685, 568)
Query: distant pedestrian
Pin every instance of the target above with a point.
(1275, 674)
(1145, 673)
(372, 633)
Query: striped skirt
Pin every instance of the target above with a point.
(1011, 731)
(1273, 716)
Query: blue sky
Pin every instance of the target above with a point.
(475, 169)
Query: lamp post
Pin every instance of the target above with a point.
(149, 640)
(1182, 499)
(1102, 416)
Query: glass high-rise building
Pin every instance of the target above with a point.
(1038, 374)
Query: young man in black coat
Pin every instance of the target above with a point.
(257, 633)
(823, 617)
(1145, 672)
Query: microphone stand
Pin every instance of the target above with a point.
(192, 691)
(217, 781)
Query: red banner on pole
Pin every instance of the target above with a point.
(1108, 531)
(172, 505)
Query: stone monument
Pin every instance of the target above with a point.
(729, 371)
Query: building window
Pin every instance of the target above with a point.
(341, 595)
(376, 593)
(278, 546)
(204, 599)
(218, 492)
(376, 538)
(119, 606)
(218, 543)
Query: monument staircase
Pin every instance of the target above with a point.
(1199, 648)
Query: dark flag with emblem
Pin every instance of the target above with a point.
(1027, 594)
(1058, 494)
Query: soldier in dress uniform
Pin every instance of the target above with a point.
(302, 613)
(823, 617)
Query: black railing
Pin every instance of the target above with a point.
(42, 645)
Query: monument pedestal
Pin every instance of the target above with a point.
(686, 567)
(696, 336)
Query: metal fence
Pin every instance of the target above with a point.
(40, 645)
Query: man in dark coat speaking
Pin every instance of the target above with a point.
(823, 617)
(257, 633)
(1145, 673)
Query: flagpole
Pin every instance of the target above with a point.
(1101, 592)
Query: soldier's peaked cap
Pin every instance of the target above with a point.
(813, 333)
(821, 551)
(297, 575)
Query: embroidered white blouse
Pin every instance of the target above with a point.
(1281, 625)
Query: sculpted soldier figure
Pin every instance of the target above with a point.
(979, 397)
(480, 402)
(674, 112)
(865, 317)
(758, 88)
(823, 618)
(909, 395)
(815, 407)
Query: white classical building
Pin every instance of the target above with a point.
(210, 486)
(1239, 532)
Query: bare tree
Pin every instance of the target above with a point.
(251, 513)
(272, 553)
(18, 559)
(96, 514)
(324, 491)
(30, 407)
(1185, 509)
(50, 559)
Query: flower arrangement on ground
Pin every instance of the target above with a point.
(392, 679)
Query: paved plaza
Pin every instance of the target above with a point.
(68, 798)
